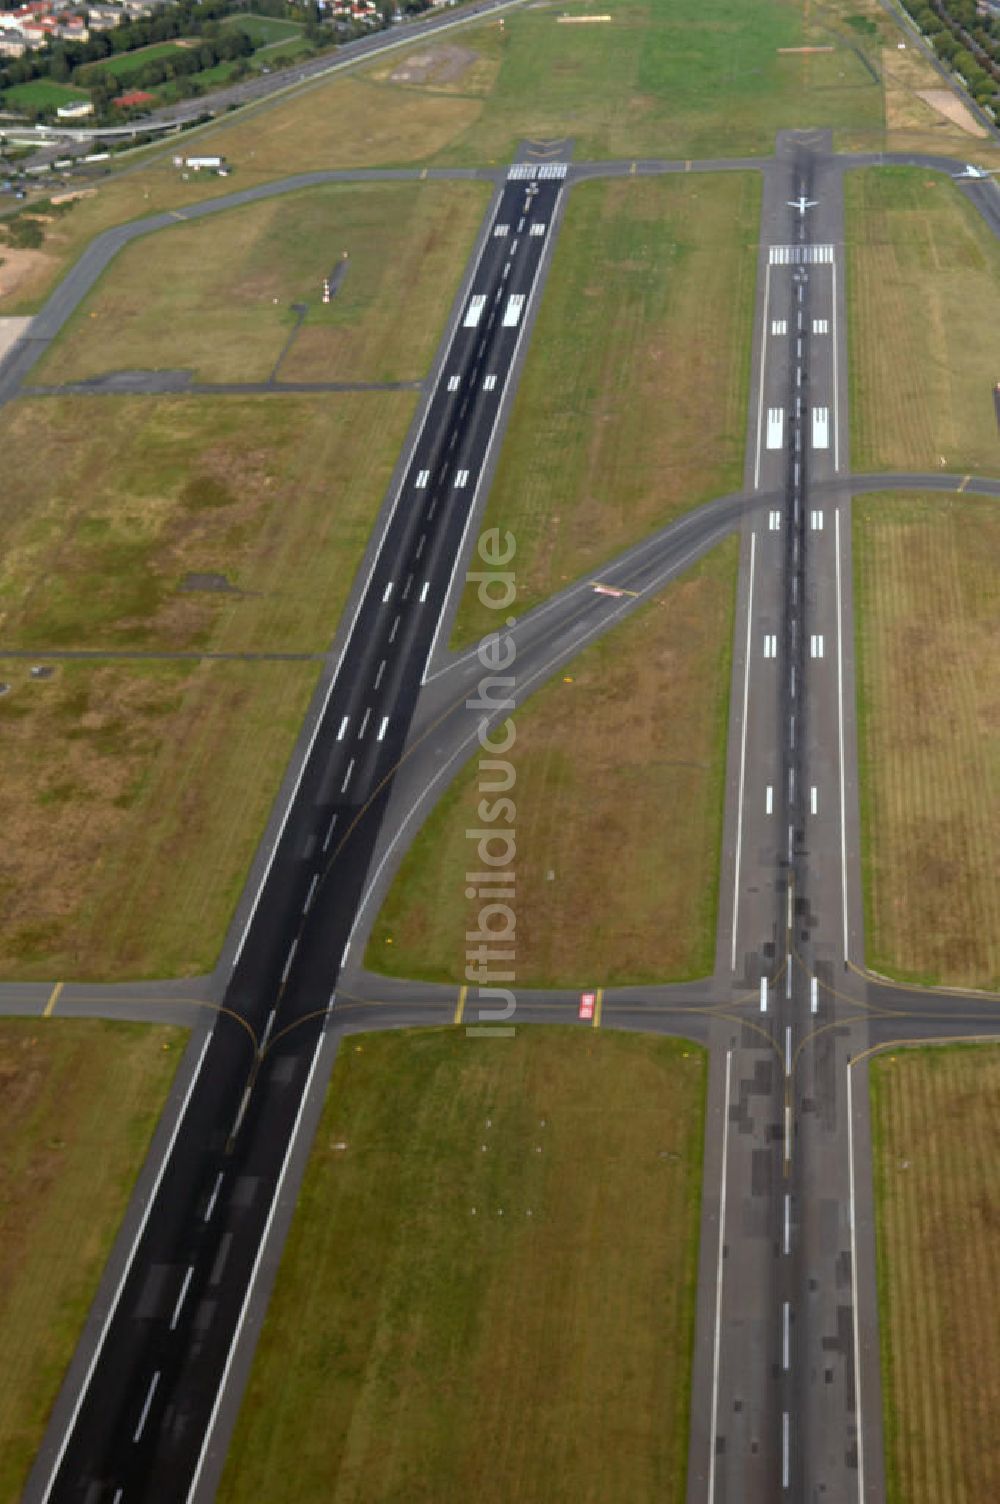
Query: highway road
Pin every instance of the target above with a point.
(786, 1241)
(143, 1425)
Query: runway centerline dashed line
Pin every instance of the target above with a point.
(210, 1208)
(146, 1407)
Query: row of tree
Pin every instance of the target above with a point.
(967, 41)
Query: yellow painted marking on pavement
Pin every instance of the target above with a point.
(965, 482)
(51, 1004)
(598, 1004)
(463, 993)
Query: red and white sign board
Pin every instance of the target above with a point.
(587, 1001)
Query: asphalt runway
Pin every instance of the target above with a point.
(786, 1290)
(144, 1424)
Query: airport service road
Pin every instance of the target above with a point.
(142, 1425)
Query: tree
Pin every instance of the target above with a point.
(59, 68)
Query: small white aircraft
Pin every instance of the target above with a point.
(969, 171)
(802, 203)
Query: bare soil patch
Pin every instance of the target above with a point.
(946, 104)
(10, 332)
(22, 270)
(438, 65)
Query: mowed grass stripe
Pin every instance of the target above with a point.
(923, 306)
(927, 598)
(936, 1122)
(487, 1291)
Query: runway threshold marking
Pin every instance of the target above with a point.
(463, 993)
(50, 1006)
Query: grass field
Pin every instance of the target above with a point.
(78, 1105)
(632, 407)
(345, 122)
(927, 599)
(41, 92)
(619, 794)
(133, 795)
(215, 296)
(277, 494)
(488, 1289)
(936, 1130)
(264, 31)
(923, 304)
(132, 802)
(673, 78)
(122, 65)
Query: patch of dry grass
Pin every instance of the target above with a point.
(924, 305)
(215, 295)
(928, 631)
(632, 407)
(488, 1289)
(132, 802)
(936, 1129)
(78, 1105)
(134, 794)
(101, 526)
(619, 792)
